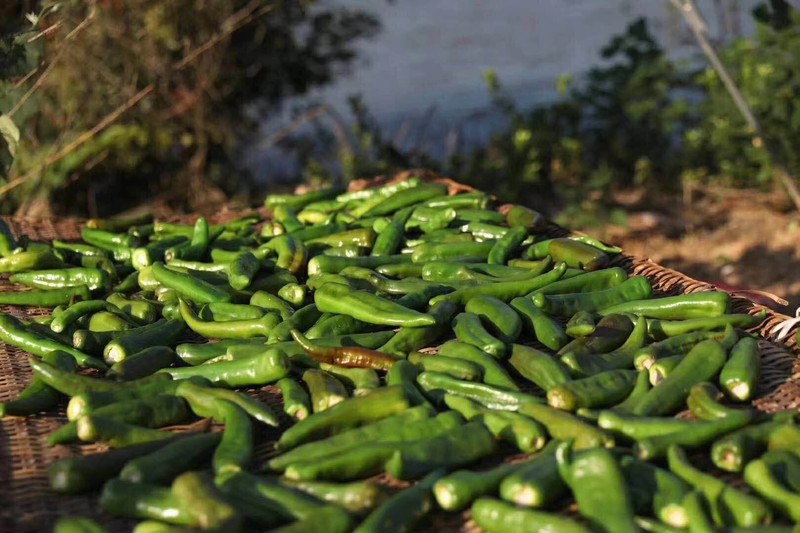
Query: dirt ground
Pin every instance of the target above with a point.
(743, 239)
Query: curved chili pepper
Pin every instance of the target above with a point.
(346, 356)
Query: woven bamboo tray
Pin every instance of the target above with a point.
(27, 504)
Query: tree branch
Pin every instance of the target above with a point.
(700, 30)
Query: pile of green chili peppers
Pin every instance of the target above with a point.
(544, 351)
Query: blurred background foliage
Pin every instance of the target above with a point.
(214, 68)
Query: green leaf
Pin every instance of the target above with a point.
(9, 140)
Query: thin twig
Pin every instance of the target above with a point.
(234, 22)
(293, 126)
(27, 76)
(109, 119)
(43, 76)
(700, 30)
(230, 25)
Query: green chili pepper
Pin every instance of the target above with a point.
(188, 285)
(525, 434)
(728, 505)
(535, 483)
(700, 364)
(296, 402)
(699, 434)
(161, 333)
(564, 426)
(298, 201)
(138, 500)
(469, 329)
(142, 364)
(732, 451)
(404, 374)
(232, 329)
(83, 473)
(336, 298)
(437, 385)
(324, 389)
(155, 412)
(656, 491)
(38, 395)
(662, 329)
(776, 477)
(598, 485)
(346, 415)
(31, 260)
(411, 339)
(456, 251)
(400, 427)
(538, 367)
(544, 329)
(268, 367)
(402, 511)
(13, 332)
(739, 377)
(635, 288)
(140, 310)
(503, 290)
(707, 304)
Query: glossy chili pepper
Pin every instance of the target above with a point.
(469, 329)
(103, 321)
(776, 477)
(161, 333)
(411, 339)
(635, 288)
(587, 364)
(324, 389)
(267, 367)
(700, 364)
(348, 356)
(662, 329)
(600, 390)
(396, 428)
(38, 395)
(296, 402)
(456, 251)
(739, 377)
(189, 285)
(154, 412)
(565, 426)
(80, 309)
(142, 501)
(404, 198)
(298, 201)
(334, 298)
(270, 302)
(657, 490)
(31, 260)
(522, 432)
(232, 329)
(599, 280)
(13, 332)
(404, 374)
(141, 310)
(503, 290)
(334, 265)
(732, 451)
(545, 329)
(728, 505)
(538, 367)
(706, 304)
(388, 240)
(87, 472)
(700, 434)
(143, 363)
(349, 414)
(436, 385)
(598, 485)
(46, 298)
